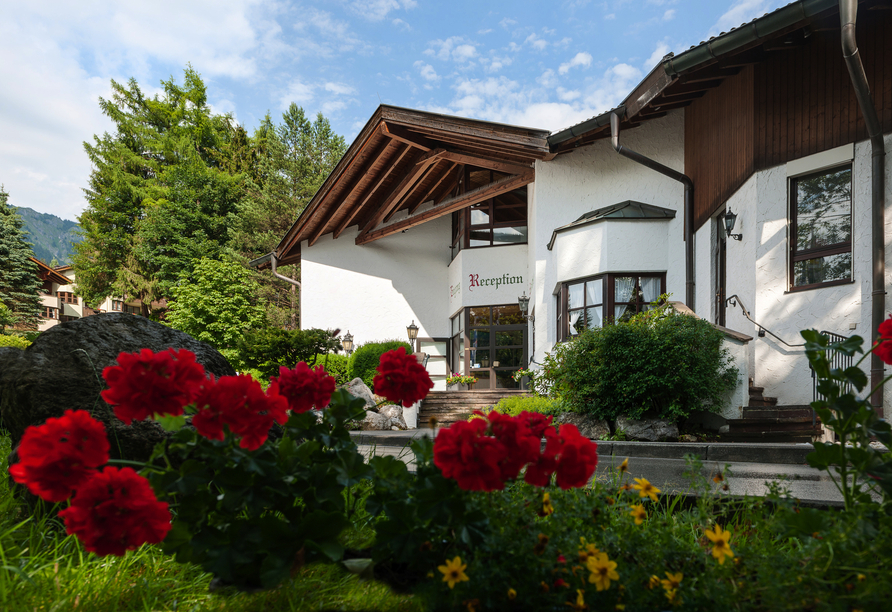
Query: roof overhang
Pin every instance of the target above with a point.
(411, 161)
(46, 273)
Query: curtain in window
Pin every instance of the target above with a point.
(622, 293)
(576, 325)
(650, 287)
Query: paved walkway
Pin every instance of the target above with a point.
(751, 465)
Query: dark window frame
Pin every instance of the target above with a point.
(823, 251)
(461, 219)
(608, 298)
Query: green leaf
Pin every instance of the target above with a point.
(171, 423)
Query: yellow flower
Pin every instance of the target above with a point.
(718, 478)
(624, 466)
(547, 507)
(645, 489)
(602, 569)
(861, 577)
(589, 551)
(673, 582)
(639, 513)
(512, 594)
(670, 595)
(720, 547)
(653, 582)
(454, 572)
(580, 602)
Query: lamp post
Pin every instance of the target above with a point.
(730, 219)
(412, 330)
(347, 343)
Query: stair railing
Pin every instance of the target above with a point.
(837, 361)
(735, 300)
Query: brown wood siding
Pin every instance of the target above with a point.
(796, 103)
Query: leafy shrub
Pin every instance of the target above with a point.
(660, 361)
(364, 360)
(514, 405)
(335, 365)
(14, 342)
(268, 349)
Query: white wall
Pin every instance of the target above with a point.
(596, 176)
(488, 276)
(376, 290)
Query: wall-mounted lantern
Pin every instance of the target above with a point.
(347, 343)
(412, 330)
(730, 220)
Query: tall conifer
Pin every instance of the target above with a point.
(19, 283)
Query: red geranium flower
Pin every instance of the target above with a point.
(148, 383)
(116, 511)
(401, 378)
(883, 348)
(521, 444)
(60, 455)
(578, 458)
(240, 403)
(465, 454)
(303, 387)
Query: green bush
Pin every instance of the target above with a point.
(268, 349)
(364, 360)
(335, 365)
(660, 361)
(14, 342)
(514, 405)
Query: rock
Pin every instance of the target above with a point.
(648, 430)
(395, 413)
(588, 426)
(687, 438)
(375, 422)
(359, 389)
(62, 371)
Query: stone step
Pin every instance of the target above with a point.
(771, 437)
(779, 412)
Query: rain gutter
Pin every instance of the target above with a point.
(272, 260)
(688, 203)
(848, 12)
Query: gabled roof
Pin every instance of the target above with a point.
(46, 273)
(402, 159)
(629, 210)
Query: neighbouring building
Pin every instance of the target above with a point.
(448, 221)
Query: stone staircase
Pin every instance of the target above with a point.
(764, 421)
(451, 406)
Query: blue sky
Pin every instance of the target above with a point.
(537, 64)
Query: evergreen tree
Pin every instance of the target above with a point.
(19, 283)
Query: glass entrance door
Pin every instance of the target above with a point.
(495, 345)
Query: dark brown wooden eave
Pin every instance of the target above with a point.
(403, 159)
(46, 273)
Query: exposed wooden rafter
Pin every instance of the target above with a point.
(452, 204)
(397, 132)
(392, 200)
(432, 189)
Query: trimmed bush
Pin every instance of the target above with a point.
(661, 361)
(364, 360)
(14, 342)
(335, 365)
(268, 349)
(531, 403)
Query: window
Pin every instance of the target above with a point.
(134, 310)
(589, 302)
(117, 305)
(821, 228)
(50, 313)
(501, 220)
(66, 297)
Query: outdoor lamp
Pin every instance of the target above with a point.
(412, 330)
(524, 302)
(347, 343)
(730, 219)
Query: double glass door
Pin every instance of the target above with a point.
(490, 343)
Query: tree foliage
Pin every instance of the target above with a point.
(215, 302)
(19, 283)
(270, 348)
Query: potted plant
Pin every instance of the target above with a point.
(458, 382)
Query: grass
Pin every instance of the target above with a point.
(44, 569)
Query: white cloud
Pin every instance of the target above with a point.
(580, 59)
(456, 48)
(506, 22)
(341, 89)
(495, 63)
(297, 92)
(669, 15)
(426, 71)
(486, 31)
(610, 16)
(375, 10)
(332, 106)
(658, 54)
(547, 79)
(405, 27)
(536, 42)
(741, 12)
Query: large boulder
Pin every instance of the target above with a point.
(647, 429)
(375, 422)
(359, 389)
(588, 426)
(394, 412)
(62, 370)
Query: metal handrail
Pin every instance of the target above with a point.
(762, 329)
(838, 361)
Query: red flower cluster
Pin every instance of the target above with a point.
(148, 383)
(60, 455)
(116, 511)
(401, 378)
(482, 455)
(303, 387)
(240, 403)
(883, 348)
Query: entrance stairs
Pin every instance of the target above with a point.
(764, 421)
(448, 407)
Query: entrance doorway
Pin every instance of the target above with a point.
(490, 343)
(720, 266)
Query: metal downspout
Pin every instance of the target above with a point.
(688, 203)
(848, 12)
(272, 260)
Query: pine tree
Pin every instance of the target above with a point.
(19, 283)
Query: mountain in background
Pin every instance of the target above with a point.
(52, 236)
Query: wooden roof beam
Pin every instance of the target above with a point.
(425, 173)
(684, 90)
(432, 189)
(485, 162)
(401, 134)
(464, 200)
(347, 220)
(392, 200)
